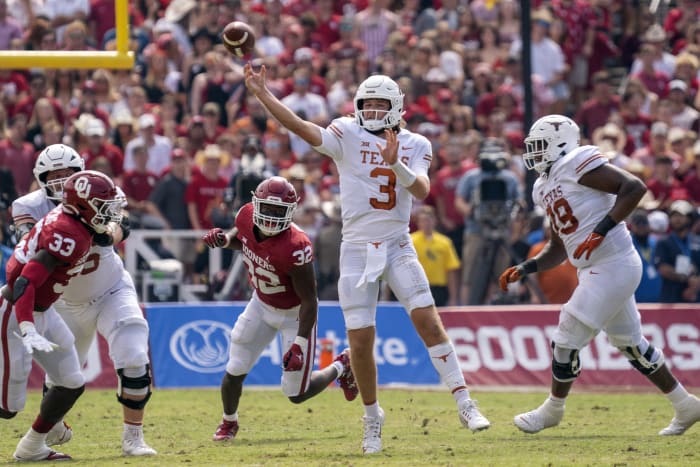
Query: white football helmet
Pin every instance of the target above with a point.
(56, 157)
(379, 87)
(550, 138)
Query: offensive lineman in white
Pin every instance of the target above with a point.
(381, 167)
(102, 298)
(586, 200)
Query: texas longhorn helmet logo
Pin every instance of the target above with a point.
(556, 125)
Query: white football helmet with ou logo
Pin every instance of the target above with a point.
(93, 198)
(379, 87)
(550, 138)
(56, 157)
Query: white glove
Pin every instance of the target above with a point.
(33, 340)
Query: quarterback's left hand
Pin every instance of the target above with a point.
(294, 358)
(591, 242)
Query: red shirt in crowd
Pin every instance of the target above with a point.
(205, 194)
(20, 161)
(110, 152)
(139, 185)
(444, 186)
(26, 107)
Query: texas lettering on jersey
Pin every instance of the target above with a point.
(270, 260)
(62, 236)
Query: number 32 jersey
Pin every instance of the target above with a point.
(270, 260)
(62, 236)
(374, 205)
(574, 209)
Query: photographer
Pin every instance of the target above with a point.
(487, 197)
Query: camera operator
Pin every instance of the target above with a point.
(487, 197)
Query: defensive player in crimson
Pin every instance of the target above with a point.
(586, 199)
(279, 259)
(42, 264)
(381, 168)
(102, 298)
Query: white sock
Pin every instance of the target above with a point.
(133, 430)
(339, 368)
(372, 410)
(231, 418)
(555, 401)
(33, 438)
(678, 395)
(444, 360)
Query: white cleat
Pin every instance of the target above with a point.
(545, 416)
(136, 446)
(687, 413)
(44, 453)
(471, 418)
(61, 433)
(372, 439)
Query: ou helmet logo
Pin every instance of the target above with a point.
(82, 187)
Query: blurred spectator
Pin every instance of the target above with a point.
(308, 213)
(212, 122)
(373, 26)
(547, 58)
(123, 129)
(42, 114)
(596, 110)
(99, 146)
(663, 184)
(63, 12)
(138, 184)
(655, 80)
(663, 61)
(75, 37)
(677, 257)
(439, 259)
(87, 103)
(38, 88)
(657, 147)
(460, 155)
(10, 28)
(159, 147)
(309, 106)
(347, 47)
(691, 182)
(683, 114)
(649, 289)
(17, 155)
(636, 121)
(205, 191)
(327, 251)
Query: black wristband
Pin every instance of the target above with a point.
(605, 225)
(125, 224)
(529, 266)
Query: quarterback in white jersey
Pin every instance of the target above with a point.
(586, 200)
(101, 298)
(381, 168)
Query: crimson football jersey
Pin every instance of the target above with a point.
(65, 238)
(270, 260)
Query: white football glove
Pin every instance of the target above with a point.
(33, 340)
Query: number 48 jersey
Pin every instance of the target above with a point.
(270, 260)
(63, 237)
(574, 209)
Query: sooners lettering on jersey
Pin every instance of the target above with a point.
(574, 210)
(270, 260)
(61, 236)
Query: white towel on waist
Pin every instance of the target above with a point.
(376, 262)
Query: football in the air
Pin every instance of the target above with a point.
(239, 38)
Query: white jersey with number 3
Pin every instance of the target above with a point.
(103, 267)
(574, 209)
(374, 206)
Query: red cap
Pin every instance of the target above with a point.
(445, 95)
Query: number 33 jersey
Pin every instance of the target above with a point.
(374, 206)
(574, 209)
(63, 237)
(270, 260)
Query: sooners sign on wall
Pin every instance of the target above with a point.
(503, 346)
(496, 346)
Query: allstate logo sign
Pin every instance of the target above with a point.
(201, 346)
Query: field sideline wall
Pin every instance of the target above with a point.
(498, 347)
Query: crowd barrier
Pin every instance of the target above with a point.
(497, 347)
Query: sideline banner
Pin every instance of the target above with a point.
(510, 345)
(189, 345)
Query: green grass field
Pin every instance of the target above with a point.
(421, 429)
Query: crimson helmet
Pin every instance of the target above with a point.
(93, 198)
(274, 201)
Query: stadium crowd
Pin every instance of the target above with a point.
(187, 143)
